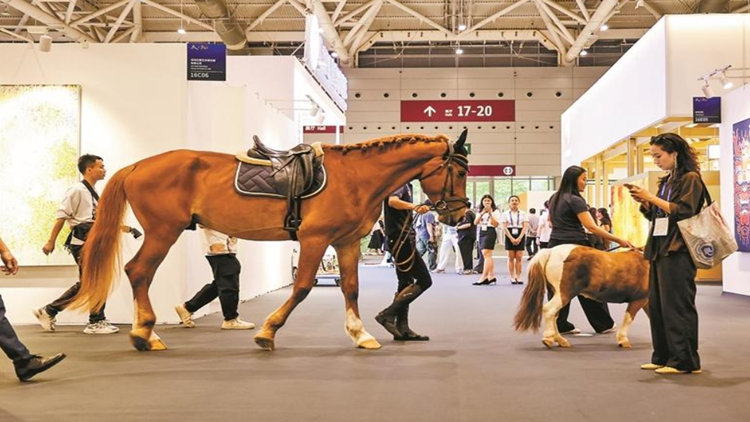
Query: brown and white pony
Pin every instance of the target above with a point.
(572, 270)
(171, 191)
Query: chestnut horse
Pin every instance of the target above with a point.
(572, 270)
(172, 191)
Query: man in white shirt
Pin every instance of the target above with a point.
(221, 253)
(531, 244)
(78, 209)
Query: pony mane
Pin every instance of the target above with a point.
(387, 141)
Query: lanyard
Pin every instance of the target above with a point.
(660, 211)
(518, 218)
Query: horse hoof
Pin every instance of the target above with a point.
(264, 343)
(143, 345)
(625, 344)
(548, 342)
(563, 343)
(369, 344)
(157, 345)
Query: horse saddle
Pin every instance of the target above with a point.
(296, 173)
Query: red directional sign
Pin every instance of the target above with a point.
(501, 170)
(322, 129)
(458, 111)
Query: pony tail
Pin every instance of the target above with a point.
(100, 259)
(529, 314)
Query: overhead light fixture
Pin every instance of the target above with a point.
(334, 54)
(314, 110)
(181, 31)
(639, 3)
(462, 27)
(725, 82)
(321, 117)
(604, 27)
(584, 52)
(5, 12)
(459, 50)
(45, 43)
(707, 91)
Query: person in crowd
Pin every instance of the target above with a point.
(488, 219)
(467, 236)
(596, 241)
(545, 227)
(424, 224)
(515, 226)
(569, 215)
(605, 222)
(672, 312)
(221, 253)
(78, 209)
(377, 238)
(448, 245)
(26, 364)
(411, 272)
(532, 244)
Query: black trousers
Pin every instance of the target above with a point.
(596, 312)
(9, 342)
(410, 268)
(531, 247)
(64, 300)
(466, 246)
(225, 285)
(674, 317)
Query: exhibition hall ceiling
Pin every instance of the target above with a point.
(356, 28)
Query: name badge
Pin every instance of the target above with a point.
(660, 226)
(515, 231)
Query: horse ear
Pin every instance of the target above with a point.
(461, 139)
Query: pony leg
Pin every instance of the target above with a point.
(348, 256)
(550, 311)
(140, 271)
(622, 333)
(311, 252)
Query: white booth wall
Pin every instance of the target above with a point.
(735, 108)
(655, 79)
(135, 103)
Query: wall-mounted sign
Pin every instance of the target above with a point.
(501, 170)
(706, 110)
(206, 62)
(322, 129)
(458, 111)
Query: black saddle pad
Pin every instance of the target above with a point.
(255, 180)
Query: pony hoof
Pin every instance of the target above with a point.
(548, 342)
(625, 344)
(564, 343)
(264, 343)
(369, 344)
(143, 345)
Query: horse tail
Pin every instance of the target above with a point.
(529, 314)
(100, 258)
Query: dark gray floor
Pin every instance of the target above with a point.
(476, 368)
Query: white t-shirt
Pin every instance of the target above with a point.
(217, 243)
(77, 207)
(545, 230)
(484, 221)
(515, 221)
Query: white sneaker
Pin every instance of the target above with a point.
(47, 321)
(573, 331)
(610, 330)
(237, 324)
(185, 316)
(101, 327)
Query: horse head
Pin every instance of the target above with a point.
(443, 180)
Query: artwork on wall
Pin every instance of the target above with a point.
(741, 146)
(627, 221)
(39, 145)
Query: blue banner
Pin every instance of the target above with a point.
(206, 62)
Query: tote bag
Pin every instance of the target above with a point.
(706, 235)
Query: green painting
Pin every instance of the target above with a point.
(39, 144)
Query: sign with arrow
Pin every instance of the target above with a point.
(458, 111)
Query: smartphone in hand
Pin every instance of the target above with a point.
(630, 186)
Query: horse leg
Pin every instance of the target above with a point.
(311, 252)
(630, 312)
(348, 256)
(550, 311)
(140, 271)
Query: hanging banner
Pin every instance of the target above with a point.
(458, 111)
(206, 62)
(741, 167)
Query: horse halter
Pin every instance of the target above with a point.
(447, 195)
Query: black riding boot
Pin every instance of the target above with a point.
(387, 317)
(402, 323)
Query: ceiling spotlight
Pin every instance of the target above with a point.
(584, 53)
(334, 54)
(315, 110)
(604, 27)
(462, 27)
(181, 31)
(459, 50)
(707, 91)
(45, 43)
(321, 118)
(725, 82)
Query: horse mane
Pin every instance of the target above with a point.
(387, 141)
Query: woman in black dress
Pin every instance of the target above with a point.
(488, 218)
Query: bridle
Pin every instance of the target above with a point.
(447, 195)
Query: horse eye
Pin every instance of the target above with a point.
(461, 174)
